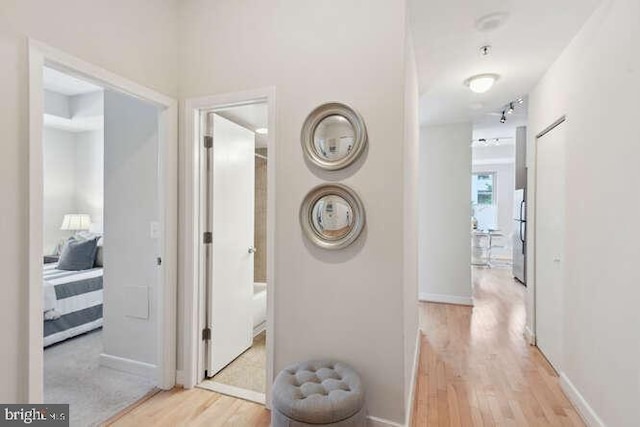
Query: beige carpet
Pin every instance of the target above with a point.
(73, 375)
(248, 371)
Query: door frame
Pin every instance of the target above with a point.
(41, 55)
(530, 329)
(191, 232)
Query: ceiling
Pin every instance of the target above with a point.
(447, 42)
(65, 84)
(251, 116)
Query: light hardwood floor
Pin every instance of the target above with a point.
(476, 368)
(195, 407)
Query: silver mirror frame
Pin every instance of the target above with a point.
(306, 210)
(318, 115)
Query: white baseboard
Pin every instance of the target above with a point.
(529, 336)
(128, 365)
(587, 413)
(446, 299)
(381, 422)
(414, 380)
(259, 329)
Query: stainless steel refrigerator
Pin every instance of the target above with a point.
(520, 235)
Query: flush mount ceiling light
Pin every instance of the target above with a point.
(262, 131)
(481, 83)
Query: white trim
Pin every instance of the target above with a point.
(229, 390)
(587, 413)
(123, 364)
(190, 225)
(445, 299)
(36, 111)
(381, 422)
(39, 56)
(180, 377)
(414, 380)
(529, 336)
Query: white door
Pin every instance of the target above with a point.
(231, 260)
(549, 243)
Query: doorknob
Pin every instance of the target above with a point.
(252, 249)
(556, 259)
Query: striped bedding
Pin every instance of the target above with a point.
(72, 302)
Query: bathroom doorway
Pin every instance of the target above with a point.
(234, 252)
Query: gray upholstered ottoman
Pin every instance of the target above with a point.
(318, 393)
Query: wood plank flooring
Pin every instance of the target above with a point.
(476, 368)
(195, 407)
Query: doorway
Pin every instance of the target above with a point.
(233, 214)
(100, 151)
(549, 238)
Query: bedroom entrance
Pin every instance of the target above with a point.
(99, 233)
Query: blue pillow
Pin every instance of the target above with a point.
(78, 254)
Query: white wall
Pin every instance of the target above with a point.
(445, 213)
(89, 166)
(59, 175)
(73, 166)
(56, 104)
(494, 153)
(137, 40)
(87, 105)
(131, 205)
(595, 82)
(346, 304)
(505, 187)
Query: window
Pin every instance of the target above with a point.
(483, 188)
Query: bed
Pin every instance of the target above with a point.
(72, 302)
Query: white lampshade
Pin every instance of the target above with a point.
(76, 222)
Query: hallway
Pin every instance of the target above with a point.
(476, 367)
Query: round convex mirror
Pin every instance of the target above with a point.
(333, 136)
(332, 216)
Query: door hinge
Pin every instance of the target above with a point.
(207, 237)
(208, 141)
(206, 334)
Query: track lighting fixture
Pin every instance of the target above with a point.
(510, 108)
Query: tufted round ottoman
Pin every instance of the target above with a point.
(318, 393)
